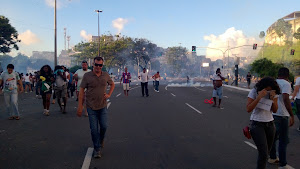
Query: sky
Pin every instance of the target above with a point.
(167, 23)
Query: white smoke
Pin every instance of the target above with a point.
(119, 24)
(28, 38)
(234, 38)
(85, 36)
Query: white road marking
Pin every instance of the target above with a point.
(134, 87)
(200, 89)
(253, 146)
(166, 87)
(250, 144)
(225, 96)
(108, 104)
(193, 108)
(118, 95)
(88, 158)
(173, 94)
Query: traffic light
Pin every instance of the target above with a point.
(193, 48)
(292, 51)
(255, 46)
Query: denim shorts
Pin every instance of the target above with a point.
(218, 92)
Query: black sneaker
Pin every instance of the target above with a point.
(97, 154)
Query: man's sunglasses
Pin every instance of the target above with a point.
(98, 65)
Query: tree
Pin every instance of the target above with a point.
(176, 58)
(8, 36)
(283, 28)
(297, 34)
(262, 34)
(264, 67)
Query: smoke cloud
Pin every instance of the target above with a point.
(85, 36)
(234, 38)
(119, 24)
(28, 38)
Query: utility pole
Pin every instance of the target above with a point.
(55, 36)
(68, 39)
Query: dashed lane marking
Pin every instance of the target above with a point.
(193, 108)
(173, 94)
(108, 104)
(200, 89)
(250, 144)
(166, 87)
(88, 158)
(118, 95)
(226, 97)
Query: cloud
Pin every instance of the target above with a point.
(119, 24)
(85, 36)
(28, 38)
(235, 38)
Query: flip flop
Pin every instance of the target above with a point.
(17, 118)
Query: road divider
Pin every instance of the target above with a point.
(194, 108)
(238, 88)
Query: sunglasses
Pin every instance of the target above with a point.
(98, 65)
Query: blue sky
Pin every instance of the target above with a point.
(164, 22)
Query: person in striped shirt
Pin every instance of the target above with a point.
(125, 77)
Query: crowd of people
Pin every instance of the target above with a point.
(269, 102)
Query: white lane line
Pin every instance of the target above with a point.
(250, 144)
(88, 158)
(118, 95)
(253, 146)
(108, 104)
(173, 94)
(225, 96)
(134, 87)
(193, 108)
(166, 87)
(200, 89)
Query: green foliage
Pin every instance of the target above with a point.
(8, 36)
(297, 34)
(283, 28)
(176, 58)
(262, 34)
(264, 67)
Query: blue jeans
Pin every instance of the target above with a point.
(282, 133)
(156, 85)
(98, 117)
(11, 102)
(218, 92)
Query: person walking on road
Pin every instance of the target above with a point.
(283, 118)
(78, 76)
(60, 87)
(249, 77)
(144, 82)
(156, 78)
(47, 80)
(27, 83)
(126, 80)
(262, 101)
(95, 83)
(10, 81)
(218, 89)
(296, 95)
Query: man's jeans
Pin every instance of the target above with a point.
(98, 117)
(282, 132)
(298, 108)
(156, 85)
(144, 88)
(263, 134)
(11, 102)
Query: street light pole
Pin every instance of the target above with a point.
(98, 11)
(55, 36)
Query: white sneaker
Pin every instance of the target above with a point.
(285, 167)
(273, 161)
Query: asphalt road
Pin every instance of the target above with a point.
(172, 129)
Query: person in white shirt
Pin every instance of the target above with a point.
(27, 83)
(262, 101)
(218, 89)
(78, 76)
(144, 82)
(296, 95)
(283, 118)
